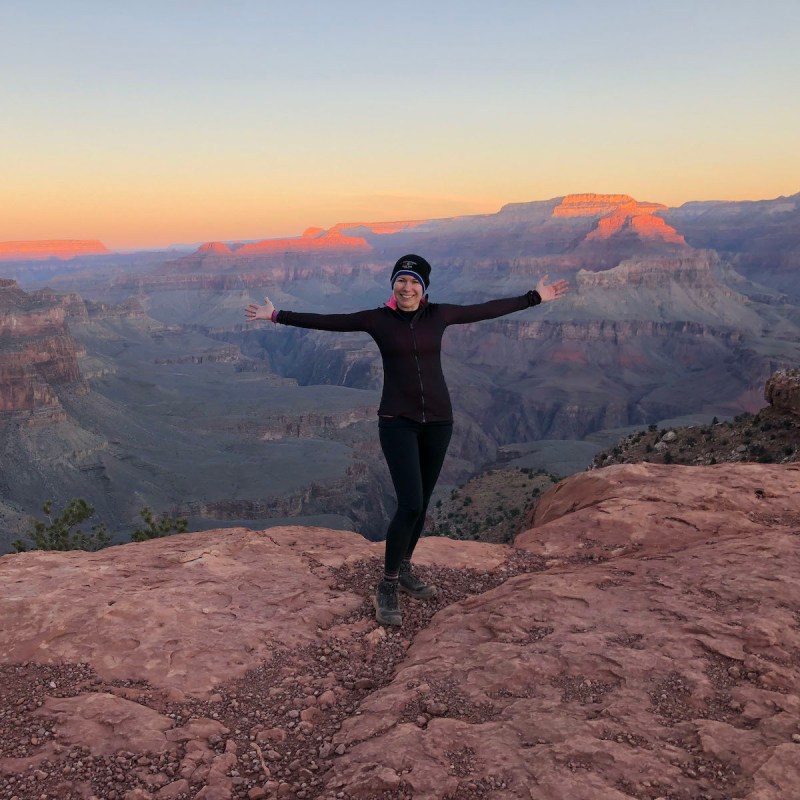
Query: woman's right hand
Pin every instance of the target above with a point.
(254, 311)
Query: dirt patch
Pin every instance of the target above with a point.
(281, 718)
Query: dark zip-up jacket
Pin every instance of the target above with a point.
(411, 346)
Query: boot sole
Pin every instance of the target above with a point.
(427, 593)
(389, 620)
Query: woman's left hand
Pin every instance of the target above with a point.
(551, 291)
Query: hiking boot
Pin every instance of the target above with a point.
(387, 605)
(411, 584)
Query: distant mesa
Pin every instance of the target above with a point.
(311, 241)
(591, 205)
(217, 248)
(619, 213)
(51, 248)
(341, 237)
(381, 228)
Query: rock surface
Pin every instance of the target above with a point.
(782, 391)
(642, 640)
(619, 213)
(38, 355)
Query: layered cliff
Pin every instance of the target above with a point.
(638, 641)
(37, 356)
(618, 224)
(760, 238)
(619, 214)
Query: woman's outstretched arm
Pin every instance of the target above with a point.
(543, 293)
(357, 321)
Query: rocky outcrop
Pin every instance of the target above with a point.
(618, 213)
(216, 355)
(37, 356)
(642, 640)
(761, 238)
(51, 248)
(695, 272)
(332, 240)
(381, 228)
(341, 237)
(215, 248)
(782, 391)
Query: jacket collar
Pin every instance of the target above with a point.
(392, 303)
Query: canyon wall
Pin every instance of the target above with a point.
(38, 355)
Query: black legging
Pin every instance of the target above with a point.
(414, 452)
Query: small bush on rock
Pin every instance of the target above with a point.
(61, 532)
(155, 530)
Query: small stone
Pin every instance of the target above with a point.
(327, 699)
(256, 793)
(796, 737)
(340, 750)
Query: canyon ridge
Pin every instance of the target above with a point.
(132, 379)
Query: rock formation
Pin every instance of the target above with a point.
(772, 435)
(782, 391)
(619, 214)
(760, 238)
(37, 355)
(618, 223)
(642, 640)
(332, 240)
(53, 248)
(215, 248)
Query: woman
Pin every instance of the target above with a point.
(415, 418)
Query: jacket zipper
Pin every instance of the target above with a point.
(419, 369)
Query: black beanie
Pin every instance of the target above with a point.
(413, 265)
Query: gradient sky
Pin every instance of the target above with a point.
(150, 123)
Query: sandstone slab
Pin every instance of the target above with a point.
(642, 640)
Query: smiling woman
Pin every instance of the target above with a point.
(415, 417)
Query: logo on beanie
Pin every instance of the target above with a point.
(413, 265)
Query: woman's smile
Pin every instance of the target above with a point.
(407, 292)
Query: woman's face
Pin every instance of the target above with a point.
(407, 293)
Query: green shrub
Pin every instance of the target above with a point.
(61, 532)
(155, 530)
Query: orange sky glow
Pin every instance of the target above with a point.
(146, 127)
